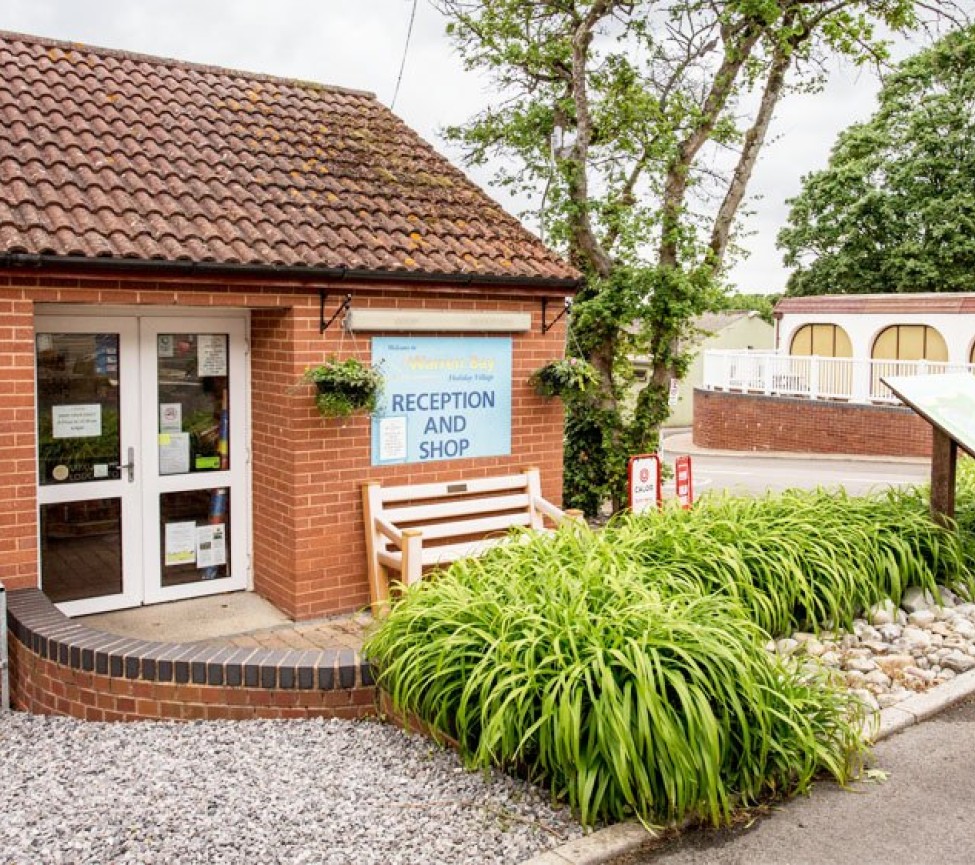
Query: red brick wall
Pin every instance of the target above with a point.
(309, 552)
(44, 687)
(18, 472)
(309, 540)
(753, 422)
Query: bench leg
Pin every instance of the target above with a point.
(378, 589)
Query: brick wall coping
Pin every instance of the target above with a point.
(48, 633)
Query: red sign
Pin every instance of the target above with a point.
(683, 482)
(644, 475)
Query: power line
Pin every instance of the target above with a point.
(406, 49)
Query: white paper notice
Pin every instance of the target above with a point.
(392, 439)
(174, 453)
(180, 543)
(170, 417)
(211, 546)
(76, 421)
(166, 345)
(211, 354)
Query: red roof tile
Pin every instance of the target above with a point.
(104, 153)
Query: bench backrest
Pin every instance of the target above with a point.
(461, 509)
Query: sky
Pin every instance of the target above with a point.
(360, 43)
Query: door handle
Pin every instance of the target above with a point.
(130, 465)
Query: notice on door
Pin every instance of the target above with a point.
(171, 417)
(180, 543)
(211, 354)
(174, 453)
(211, 546)
(76, 421)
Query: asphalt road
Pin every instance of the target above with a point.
(754, 475)
(916, 808)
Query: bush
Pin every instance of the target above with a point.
(803, 559)
(626, 669)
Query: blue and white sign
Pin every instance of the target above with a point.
(444, 398)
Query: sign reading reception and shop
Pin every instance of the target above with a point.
(444, 398)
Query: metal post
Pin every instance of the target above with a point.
(4, 672)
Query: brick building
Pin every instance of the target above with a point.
(177, 244)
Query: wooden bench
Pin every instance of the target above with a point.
(412, 527)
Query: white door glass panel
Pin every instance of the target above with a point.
(88, 439)
(194, 377)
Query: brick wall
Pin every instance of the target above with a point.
(754, 422)
(309, 549)
(59, 666)
(45, 687)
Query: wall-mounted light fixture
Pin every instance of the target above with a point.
(420, 320)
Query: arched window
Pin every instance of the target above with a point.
(910, 342)
(825, 340)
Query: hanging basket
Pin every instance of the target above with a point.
(566, 378)
(345, 387)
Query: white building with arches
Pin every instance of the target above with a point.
(833, 351)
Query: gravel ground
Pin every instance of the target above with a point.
(293, 792)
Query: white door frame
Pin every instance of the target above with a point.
(138, 328)
(235, 478)
(129, 491)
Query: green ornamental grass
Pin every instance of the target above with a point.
(625, 669)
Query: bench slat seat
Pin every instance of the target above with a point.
(405, 523)
(442, 555)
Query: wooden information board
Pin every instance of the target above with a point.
(947, 402)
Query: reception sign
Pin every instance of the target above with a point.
(444, 398)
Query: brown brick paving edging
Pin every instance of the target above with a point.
(59, 666)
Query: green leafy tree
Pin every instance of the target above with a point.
(894, 210)
(636, 125)
(763, 304)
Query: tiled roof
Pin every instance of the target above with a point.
(712, 322)
(108, 154)
(942, 302)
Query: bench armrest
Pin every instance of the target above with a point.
(544, 506)
(386, 528)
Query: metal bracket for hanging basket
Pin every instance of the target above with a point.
(548, 325)
(322, 297)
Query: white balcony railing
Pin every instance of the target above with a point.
(836, 378)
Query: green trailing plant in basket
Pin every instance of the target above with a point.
(345, 387)
(566, 378)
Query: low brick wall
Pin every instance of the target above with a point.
(60, 667)
(755, 422)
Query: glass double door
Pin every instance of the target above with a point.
(141, 459)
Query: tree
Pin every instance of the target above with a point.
(637, 125)
(894, 210)
(763, 304)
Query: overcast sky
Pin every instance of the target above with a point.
(359, 43)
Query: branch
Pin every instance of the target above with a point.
(675, 188)
(754, 139)
(593, 256)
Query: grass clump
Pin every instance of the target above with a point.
(625, 669)
(621, 698)
(802, 559)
